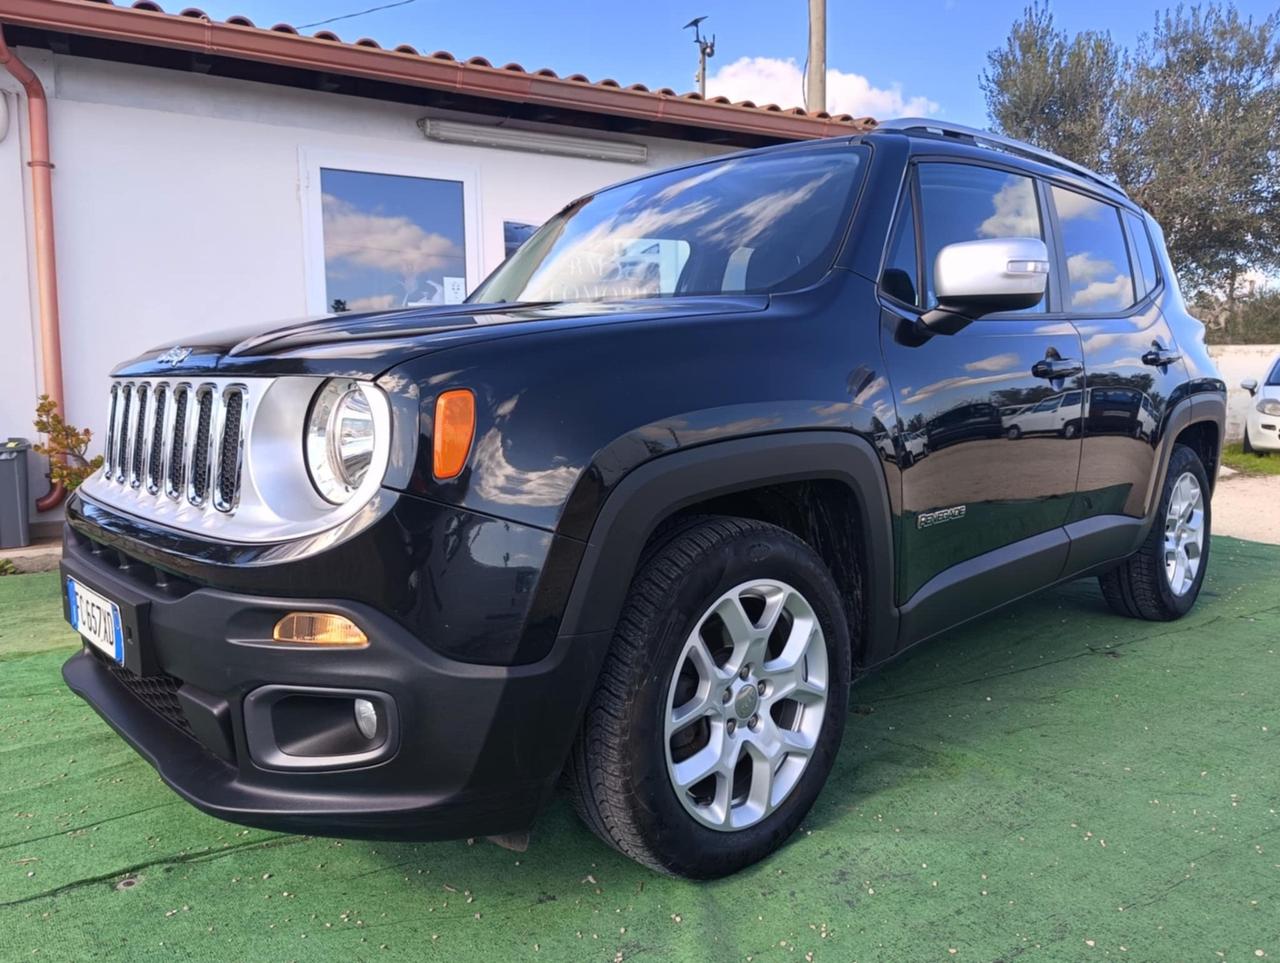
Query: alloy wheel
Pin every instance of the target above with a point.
(746, 704)
(1184, 533)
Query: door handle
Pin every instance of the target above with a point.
(1159, 357)
(1057, 368)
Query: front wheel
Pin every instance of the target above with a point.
(1161, 581)
(721, 704)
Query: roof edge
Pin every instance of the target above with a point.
(284, 47)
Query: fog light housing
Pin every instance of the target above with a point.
(366, 718)
(318, 628)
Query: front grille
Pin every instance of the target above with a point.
(179, 441)
(159, 693)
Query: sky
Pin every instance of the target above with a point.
(884, 59)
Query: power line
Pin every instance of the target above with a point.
(358, 13)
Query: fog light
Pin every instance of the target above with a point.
(366, 718)
(318, 628)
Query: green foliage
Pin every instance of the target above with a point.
(7, 567)
(1251, 320)
(1233, 456)
(65, 446)
(1185, 121)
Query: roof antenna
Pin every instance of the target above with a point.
(706, 48)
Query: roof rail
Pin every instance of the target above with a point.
(984, 138)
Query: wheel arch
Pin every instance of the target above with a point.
(809, 482)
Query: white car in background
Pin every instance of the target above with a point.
(1262, 426)
(1058, 414)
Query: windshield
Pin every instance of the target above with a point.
(1274, 377)
(757, 224)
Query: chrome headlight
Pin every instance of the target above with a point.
(341, 439)
(1269, 406)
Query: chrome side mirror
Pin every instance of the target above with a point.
(976, 278)
(1250, 385)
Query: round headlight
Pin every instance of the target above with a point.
(340, 439)
(1269, 406)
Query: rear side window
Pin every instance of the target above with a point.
(1146, 259)
(1099, 279)
(963, 202)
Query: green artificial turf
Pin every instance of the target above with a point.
(1052, 782)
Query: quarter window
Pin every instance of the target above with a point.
(964, 202)
(1099, 279)
(1146, 261)
(899, 277)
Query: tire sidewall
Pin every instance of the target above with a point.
(691, 848)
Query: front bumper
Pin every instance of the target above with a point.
(1264, 431)
(478, 748)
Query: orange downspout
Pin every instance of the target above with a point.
(46, 264)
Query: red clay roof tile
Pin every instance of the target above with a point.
(238, 37)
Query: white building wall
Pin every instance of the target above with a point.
(181, 206)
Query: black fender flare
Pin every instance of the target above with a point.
(659, 488)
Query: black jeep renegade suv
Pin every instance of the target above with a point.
(711, 444)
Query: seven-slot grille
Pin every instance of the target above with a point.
(178, 440)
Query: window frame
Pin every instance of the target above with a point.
(1048, 223)
(311, 161)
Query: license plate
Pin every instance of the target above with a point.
(97, 618)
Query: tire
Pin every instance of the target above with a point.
(1248, 445)
(1070, 430)
(1014, 433)
(1141, 586)
(624, 765)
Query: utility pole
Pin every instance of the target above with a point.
(815, 93)
(706, 48)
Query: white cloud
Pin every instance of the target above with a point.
(1084, 267)
(376, 302)
(391, 243)
(769, 80)
(1016, 213)
(995, 362)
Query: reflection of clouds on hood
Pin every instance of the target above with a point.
(1016, 213)
(497, 480)
(391, 243)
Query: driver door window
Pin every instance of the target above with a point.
(965, 202)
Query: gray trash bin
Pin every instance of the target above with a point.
(14, 528)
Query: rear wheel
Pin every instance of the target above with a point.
(1161, 581)
(721, 704)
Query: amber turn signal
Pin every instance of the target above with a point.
(318, 628)
(454, 429)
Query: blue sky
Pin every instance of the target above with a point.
(895, 57)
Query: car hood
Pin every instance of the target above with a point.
(365, 345)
